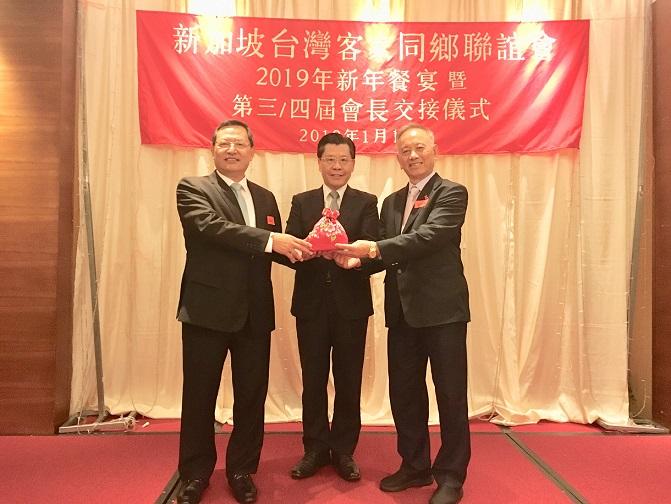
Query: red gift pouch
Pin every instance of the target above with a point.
(327, 232)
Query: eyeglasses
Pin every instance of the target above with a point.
(226, 145)
(330, 161)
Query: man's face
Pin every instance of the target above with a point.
(416, 153)
(231, 152)
(336, 165)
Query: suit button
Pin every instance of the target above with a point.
(399, 271)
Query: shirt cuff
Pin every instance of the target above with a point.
(269, 245)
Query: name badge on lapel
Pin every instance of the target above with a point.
(270, 220)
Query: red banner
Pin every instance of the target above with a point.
(481, 87)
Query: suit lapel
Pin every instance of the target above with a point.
(425, 192)
(399, 207)
(261, 208)
(316, 205)
(227, 198)
(346, 204)
(350, 209)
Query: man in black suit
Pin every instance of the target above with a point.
(231, 226)
(426, 310)
(332, 306)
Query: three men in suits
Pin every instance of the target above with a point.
(332, 306)
(231, 226)
(426, 311)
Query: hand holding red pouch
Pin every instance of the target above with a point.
(327, 232)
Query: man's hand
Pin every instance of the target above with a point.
(359, 248)
(346, 262)
(290, 246)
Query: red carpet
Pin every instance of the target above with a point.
(540, 468)
(611, 469)
(499, 472)
(77, 469)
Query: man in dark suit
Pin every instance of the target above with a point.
(231, 226)
(426, 310)
(332, 306)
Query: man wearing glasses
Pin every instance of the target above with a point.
(231, 226)
(332, 306)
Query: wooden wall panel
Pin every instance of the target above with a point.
(37, 166)
(661, 298)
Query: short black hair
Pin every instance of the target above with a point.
(336, 139)
(233, 122)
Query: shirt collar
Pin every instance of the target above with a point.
(420, 185)
(229, 181)
(340, 191)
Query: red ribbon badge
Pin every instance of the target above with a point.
(420, 203)
(270, 220)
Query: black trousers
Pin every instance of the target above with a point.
(204, 353)
(326, 338)
(409, 349)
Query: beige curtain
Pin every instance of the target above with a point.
(547, 241)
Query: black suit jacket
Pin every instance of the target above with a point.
(350, 288)
(226, 278)
(425, 279)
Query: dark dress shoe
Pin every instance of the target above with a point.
(309, 464)
(405, 478)
(191, 491)
(243, 488)
(346, 467)
(446, 495)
